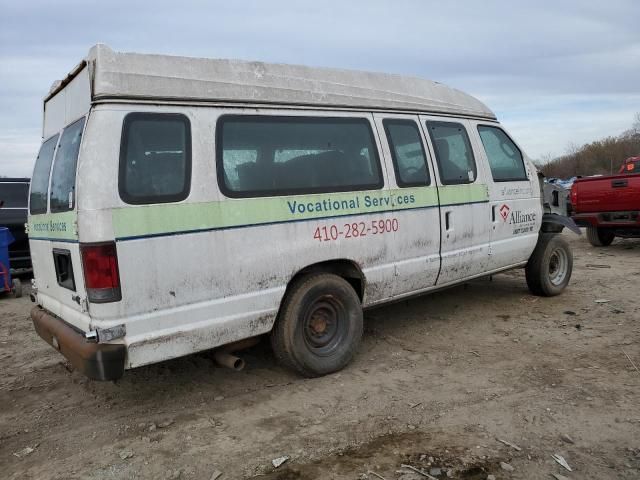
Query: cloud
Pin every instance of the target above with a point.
(555, 72)
(549, 124)
(23, 145)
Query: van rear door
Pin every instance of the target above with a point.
(52, 227)
(53, 212)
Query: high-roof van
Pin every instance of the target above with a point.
(181, 204)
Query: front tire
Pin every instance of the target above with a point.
(549, 268)
(600, 237)
(319, 327)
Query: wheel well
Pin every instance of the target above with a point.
(346, 269)
(550, 227)
(553, 223)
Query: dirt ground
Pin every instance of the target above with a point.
(437, 381)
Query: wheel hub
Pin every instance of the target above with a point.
(324, 325)
(558, 267)
(318, 323)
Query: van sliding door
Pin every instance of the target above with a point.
(416, 245)
(464, 201)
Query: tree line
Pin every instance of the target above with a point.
(600, 157)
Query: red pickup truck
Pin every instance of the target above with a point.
(609, 206)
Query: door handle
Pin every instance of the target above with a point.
(447, 220)
(619, 183)
(493, 213)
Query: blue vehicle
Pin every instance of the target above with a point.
(7, 284)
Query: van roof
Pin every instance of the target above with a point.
(117, 75)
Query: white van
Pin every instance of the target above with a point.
(183, 204)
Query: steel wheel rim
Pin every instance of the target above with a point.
(558, 266)
(324, 325)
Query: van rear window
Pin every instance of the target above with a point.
(407, 152)
(260, 156)
(155, 158)
(63, 175)
(40, 179)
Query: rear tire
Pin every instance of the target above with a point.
(319, 327)
(600, 237)
(549, 268)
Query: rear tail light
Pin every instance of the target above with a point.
(574, 196)
(101, 277)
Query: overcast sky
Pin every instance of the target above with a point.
(555, 72)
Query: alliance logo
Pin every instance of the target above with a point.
(519, 217)
(504, 211)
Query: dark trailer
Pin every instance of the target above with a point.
(14, 198)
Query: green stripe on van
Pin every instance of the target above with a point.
(55, 226)
(458, 194)
(140, 221)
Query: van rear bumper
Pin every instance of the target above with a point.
(97, 361)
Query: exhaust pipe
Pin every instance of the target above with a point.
(228, 360)
(224, 355)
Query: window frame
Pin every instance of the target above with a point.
(220, 173)
(428, 123)
(53, 157)
(524, 166)
(124, 139)
(396, 168)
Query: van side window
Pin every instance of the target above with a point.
(505, 159)
(453, 152)
(155, 158)
(63, 175)
(260, 156)
(40, 179)
(409, 159)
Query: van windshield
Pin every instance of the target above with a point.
(40, 180)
